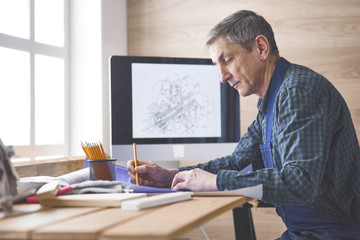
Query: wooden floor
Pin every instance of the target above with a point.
(268, 225)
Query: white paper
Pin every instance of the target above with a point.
(154, 201)
(251, 192)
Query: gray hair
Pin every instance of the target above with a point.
(242, 28)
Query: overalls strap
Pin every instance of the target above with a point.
(275, 83)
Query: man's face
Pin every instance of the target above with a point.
(243, 70)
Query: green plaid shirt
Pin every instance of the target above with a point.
(315, 149)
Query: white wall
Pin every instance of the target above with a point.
(114, 42)
(97, 31)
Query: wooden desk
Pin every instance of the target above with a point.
(165, 222)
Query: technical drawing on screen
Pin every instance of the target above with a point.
(173, 108)
(173, 100)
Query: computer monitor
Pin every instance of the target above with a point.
(172, 108)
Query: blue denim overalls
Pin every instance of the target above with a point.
(301, 221)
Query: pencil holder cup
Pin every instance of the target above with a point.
(103, 169)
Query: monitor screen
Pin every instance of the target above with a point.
(172, 108)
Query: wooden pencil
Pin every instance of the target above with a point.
(136, 164)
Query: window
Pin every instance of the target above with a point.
(33, 77)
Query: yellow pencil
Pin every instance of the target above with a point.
(136, 164)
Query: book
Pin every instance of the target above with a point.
(91, 200)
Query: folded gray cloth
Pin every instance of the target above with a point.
(97, 187)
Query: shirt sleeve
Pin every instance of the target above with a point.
(301, 139)
(246, 152)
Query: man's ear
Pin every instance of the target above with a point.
(262, 47)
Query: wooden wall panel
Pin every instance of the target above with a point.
(321, 34)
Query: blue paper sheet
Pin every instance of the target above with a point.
(146, 189)
(123, 176)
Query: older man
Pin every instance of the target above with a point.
(303, 137)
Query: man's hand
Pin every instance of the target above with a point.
(195, 180)
(151, 174)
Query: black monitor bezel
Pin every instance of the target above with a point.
(121, 98)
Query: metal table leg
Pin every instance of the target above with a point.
(243, 223)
